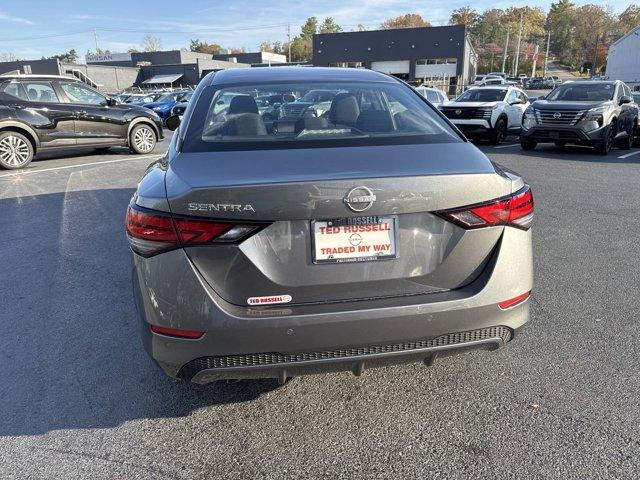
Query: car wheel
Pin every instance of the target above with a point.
(605, 146)
(559, 143)
(142, 139)
(16, 150)
(499, 133)
(528, 144)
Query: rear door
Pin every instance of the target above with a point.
(96, 123)
(38, 104)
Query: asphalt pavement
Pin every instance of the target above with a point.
(80, 398)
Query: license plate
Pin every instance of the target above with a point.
(355, 239)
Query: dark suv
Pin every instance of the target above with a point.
(45, 112)
(595, 113)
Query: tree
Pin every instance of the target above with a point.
(237, 50)
(330, 26)
(7, 57)
(204, 47)
(489, 28)
(410, 20)
(272, 47)
(629, 19)
(151, 44)
(361, 28)
(560, 22)
(464, 16)
(301, 45)
(68, 57)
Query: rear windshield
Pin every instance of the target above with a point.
(482, 95)
(583, 92)
(308, 115)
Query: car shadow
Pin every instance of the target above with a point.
(70, 350)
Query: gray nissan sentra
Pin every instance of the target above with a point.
(312, 233)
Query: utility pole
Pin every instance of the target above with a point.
(595, 57)
(95, 38)
(504, 55)
(515, 73)
(546, 55)
(535, 60)
(289, 39)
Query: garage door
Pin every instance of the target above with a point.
(393, 67)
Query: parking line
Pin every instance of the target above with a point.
(117, 160)
(629, 154)
(507, 146)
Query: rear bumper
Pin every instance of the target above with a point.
(276, 342)
(564, 133)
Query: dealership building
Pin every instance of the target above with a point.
(623, 62)
(439, 56)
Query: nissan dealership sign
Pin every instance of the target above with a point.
(108, 57)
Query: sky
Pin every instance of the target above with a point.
(36, 28)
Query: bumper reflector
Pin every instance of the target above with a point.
(177, 332)
(512, 302)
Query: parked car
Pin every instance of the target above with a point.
(40, 113)
(535, 83)
(181, 106)
(164, 103)
(488, 112)
(595, 113)
(490, 80)
(497, 74)
(436, 96)
(319, 244)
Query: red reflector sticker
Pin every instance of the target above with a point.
(273, 299)
(512, 302)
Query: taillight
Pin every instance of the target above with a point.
(515, 210)
(152, 233)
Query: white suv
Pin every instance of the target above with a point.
(488, 112)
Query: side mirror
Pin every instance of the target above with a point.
(111, 102)
(173, 122)
(625, 99)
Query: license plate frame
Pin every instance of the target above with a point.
(355, 222)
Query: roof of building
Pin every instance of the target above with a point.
(634, 31)
(240, 75)
(35, 76)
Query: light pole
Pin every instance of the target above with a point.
(546, 55)
(504, 56)
(515, 73)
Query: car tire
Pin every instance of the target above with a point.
(16, 150)
(630, 141)
(528, 144)
(606, 145)
(142, 139)
(499, 133)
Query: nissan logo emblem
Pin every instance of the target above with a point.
(557, 115)
(359, 199)
(458, 111)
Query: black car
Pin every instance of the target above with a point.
(48, 112)
(600, 114)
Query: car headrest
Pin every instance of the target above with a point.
(46, 96)
(375, 121)
(244, 125)
(344, 109)
(242, 104)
